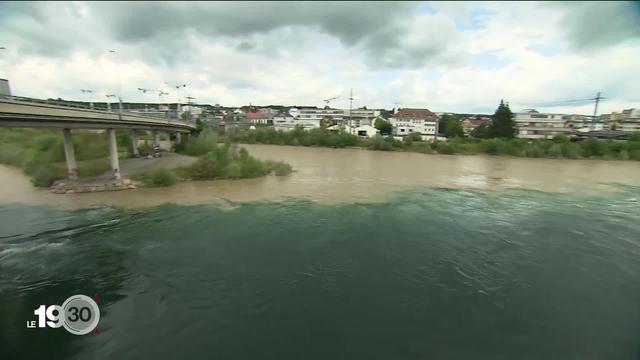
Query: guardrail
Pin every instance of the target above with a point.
(83, 107)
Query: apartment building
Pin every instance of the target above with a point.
(406, 121)
(531, 124)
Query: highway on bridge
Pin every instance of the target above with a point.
(32, 113)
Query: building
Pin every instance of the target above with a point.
(406, 121)
(366, 131)
(284, 121)
(630, 121)
(361, 117)
(313, 116)
(259, 117)
(470, 123)
(530, 124)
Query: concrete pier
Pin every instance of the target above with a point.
(156, 138)
(178, 138)
(69, 154)
(134, 144)
(113, 153)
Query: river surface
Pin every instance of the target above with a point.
(356, 255)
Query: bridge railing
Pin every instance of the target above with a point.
(81, 106)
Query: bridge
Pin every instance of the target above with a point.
(28, 113)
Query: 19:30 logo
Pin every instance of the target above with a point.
(79, 315)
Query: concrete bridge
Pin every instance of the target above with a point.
(28, 114)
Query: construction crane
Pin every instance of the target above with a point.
(327, 101)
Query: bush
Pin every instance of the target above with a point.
(156, 178)
(204, 143)
(555, 151)
(379, 143)
(227, 162)
(45, 176)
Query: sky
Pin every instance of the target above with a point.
(444, 56)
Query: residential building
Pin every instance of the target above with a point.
(470, 123)
(362, 131)
(284, 121)
(259, 117)
(313, 116)
(630, 120)
(406, 121)
(531, 124)
(360, 117)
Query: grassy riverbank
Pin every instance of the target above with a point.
(215, 161)
(560, 147)
(40, 153)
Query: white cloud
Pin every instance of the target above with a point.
(426, 59)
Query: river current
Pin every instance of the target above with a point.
(357, 255)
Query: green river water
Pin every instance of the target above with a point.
(425, 273)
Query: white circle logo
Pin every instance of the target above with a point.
(81, 314)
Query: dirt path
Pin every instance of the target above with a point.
(132, 166)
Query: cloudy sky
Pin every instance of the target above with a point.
(461, 57)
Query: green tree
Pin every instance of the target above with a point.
(383, 125)
(481, 132)
(503, 124)
(450, 126)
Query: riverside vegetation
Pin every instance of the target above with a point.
(496, 139)
(558, 147)
(215, 161)
(40, 154)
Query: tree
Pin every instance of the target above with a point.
(450, 126)
(481, 132)
(383, 125)
(503, 124)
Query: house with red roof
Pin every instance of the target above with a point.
(409, 120)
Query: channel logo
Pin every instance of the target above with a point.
(79, 315)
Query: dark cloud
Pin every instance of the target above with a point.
(593, 25)
(377, 27)
(349, 21)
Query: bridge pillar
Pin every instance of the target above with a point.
(113, 153)
(69, 154)
(156, 138)
(178, 138)
(134, 144)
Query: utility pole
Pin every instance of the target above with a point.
(595, 110)
(85, 91)
(350, 108)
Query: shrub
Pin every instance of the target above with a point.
(156, 178)
(555, 151)
(44, 176)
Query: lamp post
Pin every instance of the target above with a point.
(109, 102)
(118, 94)
(86, 91)
(178, 87)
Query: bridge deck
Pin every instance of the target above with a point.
(26, 114)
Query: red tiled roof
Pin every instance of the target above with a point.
(254, 115)
(414, 113)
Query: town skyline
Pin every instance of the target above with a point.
(458, 57)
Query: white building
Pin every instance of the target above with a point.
(422, 121)
(316, 115)
(531, 124)
(360, 117)
(362, 131)
(284, 121)
(630, 120)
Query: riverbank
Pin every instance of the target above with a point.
(351, 175)
(558, 148)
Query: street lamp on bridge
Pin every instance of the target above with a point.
(85, 91)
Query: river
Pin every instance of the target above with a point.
(356, 255)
